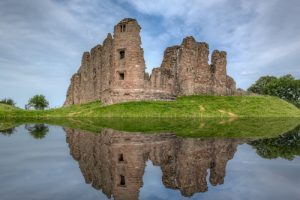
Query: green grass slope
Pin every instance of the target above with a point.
(6, 108)
(191, 106)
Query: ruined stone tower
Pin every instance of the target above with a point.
(128, 57)
(115, 71)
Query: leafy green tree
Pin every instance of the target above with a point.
(8, 101)
(285, 87)
(39, 102)
(261, 85)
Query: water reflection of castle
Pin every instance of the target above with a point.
(114, 161)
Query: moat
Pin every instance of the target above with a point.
(41, 161)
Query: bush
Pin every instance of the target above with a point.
(8, 101)
(285, 87)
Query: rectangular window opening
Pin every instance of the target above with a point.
(121, 76)
(123, 28)
(121, 157)
(122, 54)
(122, 180)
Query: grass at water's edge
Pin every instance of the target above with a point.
(190, 106)
(193, 116)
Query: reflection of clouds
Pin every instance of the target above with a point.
(252, 177)
(43, 169)
(50, 173)
(153, 187)
(151, 183)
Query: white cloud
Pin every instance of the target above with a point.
(41, 42)
(257, 34)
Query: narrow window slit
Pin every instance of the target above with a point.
(123, 28)
(122, 54)
(122, 180)
(121, 157)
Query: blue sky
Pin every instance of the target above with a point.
(41, 42)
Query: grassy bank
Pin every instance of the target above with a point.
(194, 116)
(192, 106)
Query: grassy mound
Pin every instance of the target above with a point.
(190, 106)
(6, 108)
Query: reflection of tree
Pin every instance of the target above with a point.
(38, 131)
(286, 146)
(8, 131)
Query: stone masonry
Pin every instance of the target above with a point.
(115, 71)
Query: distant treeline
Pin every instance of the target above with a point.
(285, 87)
(38, 102)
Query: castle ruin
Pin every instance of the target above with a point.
(115, 71)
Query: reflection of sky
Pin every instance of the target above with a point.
(43, 169)
(40, 169)
(248, 176)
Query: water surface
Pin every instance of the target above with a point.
(40, 161)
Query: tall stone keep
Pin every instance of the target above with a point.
(115, 71)
(128, 57)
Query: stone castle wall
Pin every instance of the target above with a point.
(115, 71)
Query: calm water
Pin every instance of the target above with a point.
(50, 162)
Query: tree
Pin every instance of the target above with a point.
(285, 87)
(39, 102)
(261, 85)
(8, 101)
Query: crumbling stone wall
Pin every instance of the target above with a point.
(115, 71)
(94, 75)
